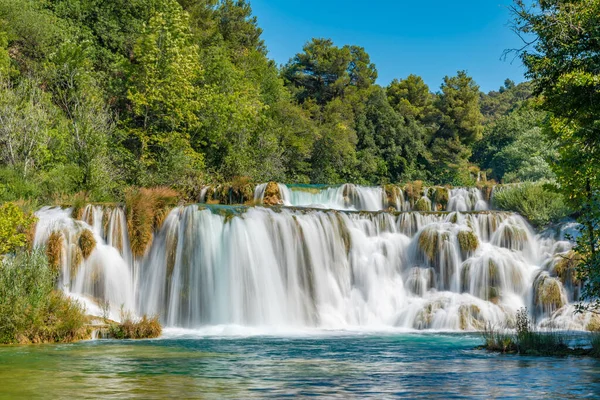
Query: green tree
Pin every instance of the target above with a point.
(411, 98)
(164, 98)
(561, 57)
(324, 71)
(459, 127)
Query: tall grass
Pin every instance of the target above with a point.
(525, 340)
(536, 201)
(146, 209)
(31, 311)
(595, 345)
(130, 328)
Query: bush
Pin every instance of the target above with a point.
(31, 311)
(144, 328)
(14, 186)
(15, 228)
(535, 201)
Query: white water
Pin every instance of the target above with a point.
(369, 198)
(304, 269)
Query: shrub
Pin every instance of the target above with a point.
(15, 228)
(144, 328)
(537, 202)
(31, 311)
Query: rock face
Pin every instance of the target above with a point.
(272, 195)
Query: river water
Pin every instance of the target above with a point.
(227, 364)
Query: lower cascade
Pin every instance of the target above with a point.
(290, 267)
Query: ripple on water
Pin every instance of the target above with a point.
(338, 365)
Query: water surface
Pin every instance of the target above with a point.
(340, 365)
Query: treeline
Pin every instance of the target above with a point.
(96, 96)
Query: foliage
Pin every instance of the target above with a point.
(539, 202)
(30, 310)
(561, 58)
(96, 97)
(15, 228)
(515, 149)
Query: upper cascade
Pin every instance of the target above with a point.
(293, 267)
(350, 197)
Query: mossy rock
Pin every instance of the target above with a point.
(76, 260)
(272, 196)
(430, 241)
(566, 268)
(469, 316)
(493, 294)
(594, 323)
(425, 316)
(54, 250)
(423, 205)
(468, 241)
(440, 196)
(87, 243)
(513, 237)
(414, 191)
(392, 192)
(548, 295)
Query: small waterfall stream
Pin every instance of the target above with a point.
(316, 267)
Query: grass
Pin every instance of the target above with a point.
(146, 210)
(129, 328)
(31, 311)
(526, 341)
(537, 202)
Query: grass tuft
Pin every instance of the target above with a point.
(146, 210)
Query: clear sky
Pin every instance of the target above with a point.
(430, 38)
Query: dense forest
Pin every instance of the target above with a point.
(98, 96)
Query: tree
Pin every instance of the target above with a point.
(514, 147)
(323, 71)
(459, 127)
(459, 105)
(562, 43)
(411, 98)
(164, 98)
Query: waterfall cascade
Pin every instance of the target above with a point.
(325, 266)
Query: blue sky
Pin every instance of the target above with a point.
(430, 38)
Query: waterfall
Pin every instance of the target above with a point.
(315, 267)
(350, 197)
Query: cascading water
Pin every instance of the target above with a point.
(375, 198)
(294, 267)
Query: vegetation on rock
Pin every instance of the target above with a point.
(146, 210)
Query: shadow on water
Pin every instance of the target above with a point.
(353, 365)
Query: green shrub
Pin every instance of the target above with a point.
(31, 311)
(14, 186)
(15, 228)
(535, 201)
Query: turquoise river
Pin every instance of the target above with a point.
(183, 365)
